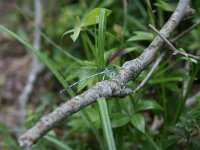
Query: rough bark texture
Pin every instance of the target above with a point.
(115, 86)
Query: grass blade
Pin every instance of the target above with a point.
(103, 108)
(39, 54)
(106, 124)
(49, 64)
(57, 142)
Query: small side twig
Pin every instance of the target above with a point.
(155, 65)
(162, 55)
(185, 32)
(175, 51)
(186, 83)
(191, 101)
(157, 123)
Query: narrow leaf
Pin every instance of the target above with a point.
(141, 36)
(165, 6)
(162, 80)
(57, 143)
(106, 124)
(42, 57)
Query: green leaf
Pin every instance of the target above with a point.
(138, 122)
(172, 86)
(77, 30)
(146, 105)
(106, 123)
(162, 80)
(100, 62)
(57, 143)
(119, 120)
(7, 142)
(95, 129)
(106, 3)
(141, 36)
(94, 116)
(197, 98)
(42, 57)
(131, 49)
(165, 6)
(189, 59)
(93, 16)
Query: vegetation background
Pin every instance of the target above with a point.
(164, 114)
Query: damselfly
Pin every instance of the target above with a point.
(107, 70)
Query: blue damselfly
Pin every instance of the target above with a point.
(107, 70)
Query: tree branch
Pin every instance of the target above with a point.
(115, 86)
(153, 69)
(37, 66)
(175, 50)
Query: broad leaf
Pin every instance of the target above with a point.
(93, 16)
(119, 120)
(146, 105)
(94, 116)
(77, 30)
(138, 122)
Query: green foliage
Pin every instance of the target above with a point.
(186, 130)
(138, 122)
(103, 107)
(58, 144)
(102, 39)
(119, 120)
(165, 6)
(147, 105)
(7, 140)
(141, 36)
(92, 18)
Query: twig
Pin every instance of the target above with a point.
(191, 101)
(175, 51)
(157, 123)
(36, 64)
(161, 56)
(186, 83)
(155, 65)
(115, 86)
(125, 6)
(185, 32)
(188, 102)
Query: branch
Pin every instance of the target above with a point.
(115, 86)
(37, 66)
(153, 69)
(192, 101)
(175, 50)
(186, 31)
(155, 65)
